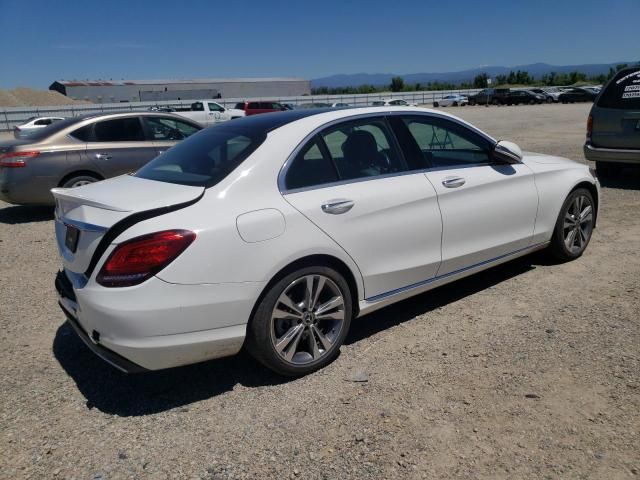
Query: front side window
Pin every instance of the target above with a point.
(126, 129)
(445, 144)
(362, 149)
(160, 128)
(45, 121)
(214, 107)
(204, 159)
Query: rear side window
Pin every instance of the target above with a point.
(83, 134)
(622, 92)
(311, 167)
(204, 159)
(239, 106)
(119, 130)
(362, 149)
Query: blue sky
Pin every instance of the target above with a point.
(42, 41)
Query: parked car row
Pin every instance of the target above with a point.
(81, 150)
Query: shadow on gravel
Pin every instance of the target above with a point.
(627, 179)
(113, 392)
(117, 393)
(401, 312)
(17, 214)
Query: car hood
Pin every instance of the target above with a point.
(532, 158)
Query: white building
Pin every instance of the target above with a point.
(103, 91)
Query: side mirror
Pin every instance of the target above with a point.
(507, 152)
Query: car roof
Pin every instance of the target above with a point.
(315, 118)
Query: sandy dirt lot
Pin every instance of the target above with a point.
(530, 370)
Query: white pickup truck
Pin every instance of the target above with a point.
(207, 112)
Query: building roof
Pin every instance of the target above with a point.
(104, 83)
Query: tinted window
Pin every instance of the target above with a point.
(362, 149)
(168, 128)
(46, 121)
(240, 106)
(83, 134)
(197, 107)
(214, 107)
(310, 167)
(204, 159)
(445, 144)
(118, 130)
(622, 92)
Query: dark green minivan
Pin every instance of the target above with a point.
(613, 127)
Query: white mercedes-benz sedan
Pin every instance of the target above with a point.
(274, 231)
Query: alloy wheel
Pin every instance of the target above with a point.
(80, 183)
(307, 319)
(578, 224)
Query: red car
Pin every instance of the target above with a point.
(253, 108)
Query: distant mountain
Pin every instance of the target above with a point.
(534, 69)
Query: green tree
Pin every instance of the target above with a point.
(397, 84)
(480, 81)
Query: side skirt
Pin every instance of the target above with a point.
(372, 304)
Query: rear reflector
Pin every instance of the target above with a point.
(589, 127)
(138, 259)
(16, 159)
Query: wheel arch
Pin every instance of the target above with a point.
(593, 190)
(322, 260)
(79, 173)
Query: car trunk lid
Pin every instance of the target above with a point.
(87, 215)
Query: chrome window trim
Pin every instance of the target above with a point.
(380, 115)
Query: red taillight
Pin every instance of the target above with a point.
(16, 159)
(135, 260)
(589, 127)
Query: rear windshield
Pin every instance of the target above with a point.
(623, 91)
(204, 159)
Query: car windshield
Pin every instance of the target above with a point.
(205, 158)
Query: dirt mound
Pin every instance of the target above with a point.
(28, 97)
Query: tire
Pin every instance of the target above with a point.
(79, 180)
(283, 323)
(549, 100)
(574, 226)
(455, 104)
(436, 104)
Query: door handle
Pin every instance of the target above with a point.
(338, 206)
(453, 182)
(103, 156)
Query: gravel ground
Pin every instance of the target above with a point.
(529, 370)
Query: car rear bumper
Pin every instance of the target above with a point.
(19, 187)
(598, 154)
(160, 325)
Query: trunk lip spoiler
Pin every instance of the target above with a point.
(63, 194)
(127, 222)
